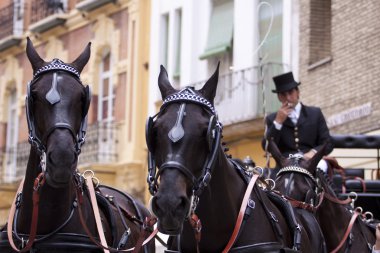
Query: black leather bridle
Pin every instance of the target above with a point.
(214, 132)
(53, 97)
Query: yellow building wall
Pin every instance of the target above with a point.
(129, 173)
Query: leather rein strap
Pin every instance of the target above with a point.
(95, 207)
(348, 231)
(240, 217)
(303, 205)
(148, 223)
(38, 183)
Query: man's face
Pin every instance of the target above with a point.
(289, 97)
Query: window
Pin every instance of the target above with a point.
(18, 19)
(106, 110)
(164, 44)
(106, 91)
(271, 51)
(220, 31)
(320, 32)
(177, 43)
(12, 138)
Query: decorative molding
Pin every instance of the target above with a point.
(319, 63)
(350, 115)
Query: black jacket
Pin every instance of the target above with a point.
(310, 132)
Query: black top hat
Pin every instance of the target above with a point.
(284, 82)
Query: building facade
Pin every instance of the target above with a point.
(253, 40)
(339, 69)
(117, 74)
(329, 45)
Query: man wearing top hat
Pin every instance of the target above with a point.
(295, 127)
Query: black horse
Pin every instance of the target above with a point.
(310, 189)
(53, 212)
(197, 181)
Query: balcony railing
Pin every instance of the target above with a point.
(89, 5)
(12, 21)
(100, 147)
(46, 14)
(246, 94)
(14, 160)
(101, 144)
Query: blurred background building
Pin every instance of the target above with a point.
(331, 46)
(117, 74)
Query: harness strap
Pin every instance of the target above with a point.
(11, 216)
(348, 231)
(338, 201)
(38, 183)
(196, 224)
(272, 218)
(241, 213)
(303, 205)
(149, 222)
(147, 225)
(95, 207)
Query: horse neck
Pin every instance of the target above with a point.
(329, 211)
(226, 186)
(54, 204)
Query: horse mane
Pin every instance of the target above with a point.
(326, 182)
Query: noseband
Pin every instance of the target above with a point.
(53, 97)
(296, 168)
(214, 131)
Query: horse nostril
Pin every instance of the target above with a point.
(154, 207)
(183, 204)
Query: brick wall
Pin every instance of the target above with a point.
(352, 77)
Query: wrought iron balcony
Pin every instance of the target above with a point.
(100, 147)
(47, 14)
(101, 144)
(12, 21)
(246, 94)
(14, 160)
(89, 5)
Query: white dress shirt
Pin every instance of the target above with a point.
(294, 116)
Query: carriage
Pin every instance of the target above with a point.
(363, 181)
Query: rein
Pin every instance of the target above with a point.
(147, 225)
(240, 217)
(38, 183)
(348, 231)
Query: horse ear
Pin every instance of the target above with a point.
(34, 59)
(313, 162)
(163, 83)
(209, 89)
(83, 58)
(278, 157)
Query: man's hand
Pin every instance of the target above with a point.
(283, 112)
(309, 155)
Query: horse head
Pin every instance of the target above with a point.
(297, 176)
(57, 103)
(182, 142)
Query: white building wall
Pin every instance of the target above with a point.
(195, 26)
